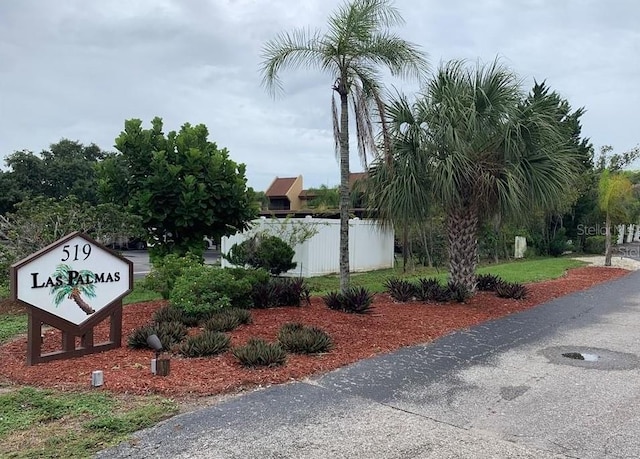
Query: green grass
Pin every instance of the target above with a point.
(140, 294)
(11, 325)
(536, 270)
(44, 423)
(523, 271)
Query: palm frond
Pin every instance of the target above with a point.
(402, 58)
(336, 125)
(88, 290)
(300, 48)
(61, 292)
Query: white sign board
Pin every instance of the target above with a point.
(72, 279)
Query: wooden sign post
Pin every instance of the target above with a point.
(72, 285)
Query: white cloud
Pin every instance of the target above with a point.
(78, 69)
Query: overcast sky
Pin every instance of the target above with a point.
(79, 68)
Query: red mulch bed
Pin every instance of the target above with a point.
(390, 326)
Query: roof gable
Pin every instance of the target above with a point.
(280, 187)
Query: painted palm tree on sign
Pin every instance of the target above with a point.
(74, 291)
(352, 51)
(480, 146)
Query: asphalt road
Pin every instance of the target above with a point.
(499, 390)
(142, 266)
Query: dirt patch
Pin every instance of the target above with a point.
(11, 307)
(389, 327)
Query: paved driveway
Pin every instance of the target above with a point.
(499, 390)
(142, 266)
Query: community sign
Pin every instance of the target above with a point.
(73, 279)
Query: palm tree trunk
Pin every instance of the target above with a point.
(497, 223)
(75, 296)
(405, 247)
(607, 241)
(344, 189)
(462, 231)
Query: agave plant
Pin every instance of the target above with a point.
(74, 292)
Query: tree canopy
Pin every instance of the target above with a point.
(66, 169)
(476, 145)
(182, 185)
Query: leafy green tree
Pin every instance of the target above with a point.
(28, 173)
(324, 198)
(10, 193)
(38, 222)
(261, 200)
(181, 184)
(353, 49)
(68, 168)
(579, 201)
(71, 170)
(484, 148)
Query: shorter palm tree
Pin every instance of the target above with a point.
(615, 194)
(73, 292)
(477, 146)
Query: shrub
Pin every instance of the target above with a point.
(356, 300)
(458, 292)
(280, 292)
(169, 334)
(558, 244)
(595, 244)
(166, 270)
(221, 322)
(264, 296)
(250, 276)
(169, 314)
(487, 282)
(298, 339)
(257, 352)
(205, 344)
(291, 327)
(511, 290)
(400, 289)
(243, 315)
(268, 252)
(202, 290)
(291, 291)
(427, 289)
(138, 339)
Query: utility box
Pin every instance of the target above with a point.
(520, 247)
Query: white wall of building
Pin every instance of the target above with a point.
(370, 245)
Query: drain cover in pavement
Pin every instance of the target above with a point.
(581, 356)
(591, 357)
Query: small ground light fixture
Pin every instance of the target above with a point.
(158, 366)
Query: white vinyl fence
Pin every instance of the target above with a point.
(628, 233)
(370, 245)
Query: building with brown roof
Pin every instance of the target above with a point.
(286, 195)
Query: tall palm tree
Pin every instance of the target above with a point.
(352, 51)
(484, 148)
